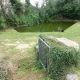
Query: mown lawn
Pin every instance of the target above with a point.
(23, 59)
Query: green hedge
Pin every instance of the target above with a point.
(60, 59)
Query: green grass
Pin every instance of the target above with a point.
(26, 60)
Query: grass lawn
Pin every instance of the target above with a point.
(18, 49)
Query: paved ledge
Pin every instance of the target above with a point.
(65, 42)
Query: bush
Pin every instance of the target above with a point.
(2, 23)
(12, 20)
(29, 20)
(60, 59)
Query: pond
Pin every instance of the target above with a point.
(48, 27)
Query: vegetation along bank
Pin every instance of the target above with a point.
(17, 14)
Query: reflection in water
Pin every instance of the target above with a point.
(60, 29)
(47, 27)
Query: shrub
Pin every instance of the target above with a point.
(60, 59)
(2, 22)
(12, 20)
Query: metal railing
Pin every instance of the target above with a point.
(43, 52)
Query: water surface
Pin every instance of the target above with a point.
(48, 27)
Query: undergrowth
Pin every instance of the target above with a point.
(60, 59)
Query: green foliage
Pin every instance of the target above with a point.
(43, 15)
(23, 64)
(32, 19)
(12, 20)
(13, 2)
(37, 66)
(60, 59)
(2, 23)
(17, 7)
(29, 20)
(28, 15)
(27, 2)
(21, 72)
(68, 9)
(50, 9)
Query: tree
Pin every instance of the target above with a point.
(27, 2)
(67, 8)
(17, 7)
(27, 6)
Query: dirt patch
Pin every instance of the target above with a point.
(30, 76)
(19, 44)
(9, 44)
(17, 50)
(22, 46)
(12, 69)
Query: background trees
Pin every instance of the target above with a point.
(18, 14)
(68, 9)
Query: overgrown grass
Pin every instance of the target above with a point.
(27, 58)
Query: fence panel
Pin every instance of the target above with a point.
(43, 51)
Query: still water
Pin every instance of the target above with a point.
(48, 27)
